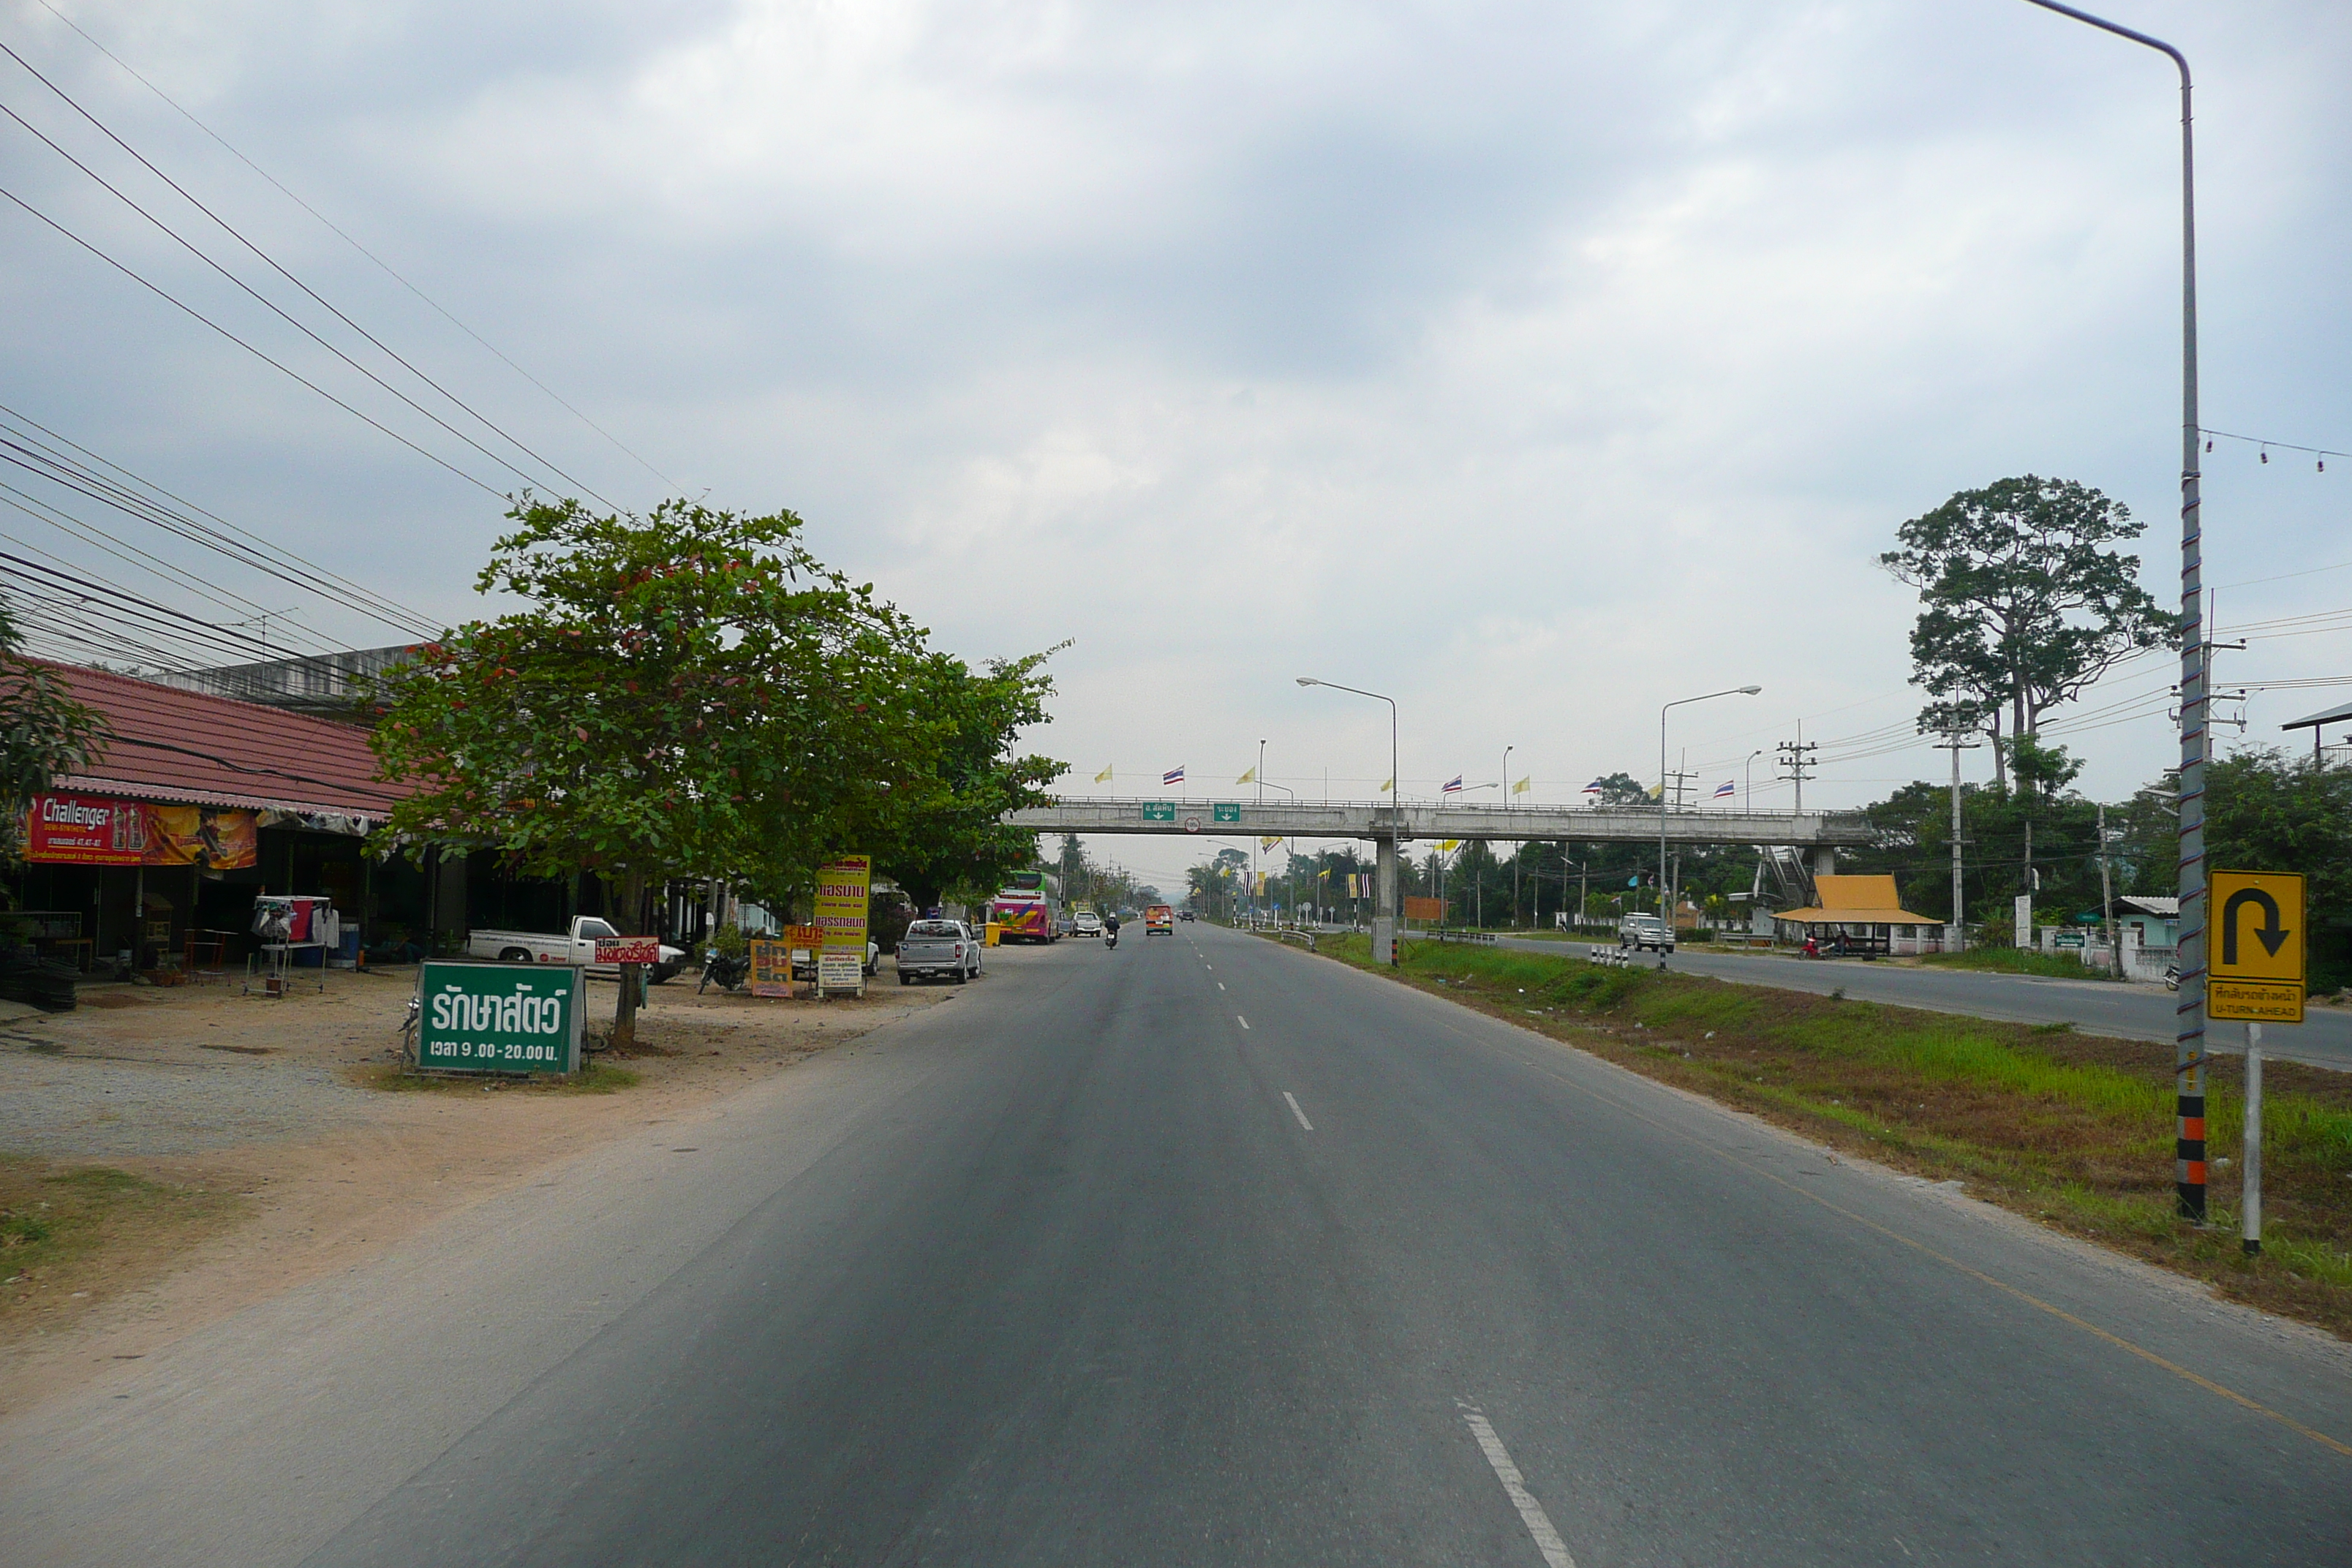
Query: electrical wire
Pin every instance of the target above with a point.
(282, 368)
(275, 310)
(385, 266)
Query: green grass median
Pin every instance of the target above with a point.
(2074, 1130)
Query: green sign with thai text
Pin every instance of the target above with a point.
(499, 1017)
(1223, 813)
(1159, 810)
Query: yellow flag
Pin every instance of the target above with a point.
(1247, 777)
(1449, 846)
(1269, 843)
(1387, 786)
(1521, 787)
(1104, 776)
(1658, 791)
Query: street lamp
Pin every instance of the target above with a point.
(1747, 771)
(1679, 702)
(2188, 1028)
(1396, 818)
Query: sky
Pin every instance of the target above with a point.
(1535, 364)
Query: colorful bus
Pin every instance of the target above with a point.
(1026, 908)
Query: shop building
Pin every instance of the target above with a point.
(197, 804)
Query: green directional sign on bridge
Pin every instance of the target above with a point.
(1159, 810)
(1224, 814)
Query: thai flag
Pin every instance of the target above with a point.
(1172, 776)
(1592, 788)
(1724, 790)
(1454, 785)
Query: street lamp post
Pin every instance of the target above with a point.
(1747, 772)
(2188, 1028)
(1665, 912)
(1384, 909)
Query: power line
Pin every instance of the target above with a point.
(385, 266)
(274, 364)
(275, 309)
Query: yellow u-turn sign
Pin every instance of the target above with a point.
(2255, 952)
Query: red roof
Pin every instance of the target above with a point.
(195, 749)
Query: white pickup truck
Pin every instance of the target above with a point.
(577, 947)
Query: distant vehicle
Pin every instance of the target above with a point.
(1025, 908)
(1061, 926)
(576, 946)
(1187, 915)
(938, 949)
(1160, 920)
(1638, 931)
(1086, 923)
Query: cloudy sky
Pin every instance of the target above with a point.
(1534, 364)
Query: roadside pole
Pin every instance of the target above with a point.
(2250, 1219)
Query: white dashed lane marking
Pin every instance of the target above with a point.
(1531, 1512)
(1296, 1111)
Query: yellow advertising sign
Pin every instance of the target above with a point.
(843, 894)
(772, 969)
(2255, 951)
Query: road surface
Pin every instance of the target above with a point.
(1208, 1251)
(2095, 1006)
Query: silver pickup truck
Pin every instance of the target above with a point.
(938, 949)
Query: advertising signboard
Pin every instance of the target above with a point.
(499, 1017)
(771, 968)
(65, 830)
(843, 896)
(628, 950)
(2256, 951)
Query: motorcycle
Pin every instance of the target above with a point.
(2172, 977)
(1111, 939)
(729, 972)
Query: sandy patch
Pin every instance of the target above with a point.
(276, 1103)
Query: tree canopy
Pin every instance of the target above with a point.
(691, 693)
(2022, 602)
(43, 732)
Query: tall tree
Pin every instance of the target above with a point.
(2022, 604)
(43, 732)
(689, 693)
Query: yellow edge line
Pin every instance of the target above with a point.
(2207, 1384)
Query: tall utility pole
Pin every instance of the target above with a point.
(1797, 764)
(2107, 899)
(1956, 938)
(2188, 1030)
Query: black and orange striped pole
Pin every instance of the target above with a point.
(2189, 1029)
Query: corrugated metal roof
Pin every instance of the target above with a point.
(2325, 716)
(195, 749)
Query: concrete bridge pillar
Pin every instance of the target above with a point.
(1384, 900)
(1821, 859)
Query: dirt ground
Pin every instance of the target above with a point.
(275, 1140)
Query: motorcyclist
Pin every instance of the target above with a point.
(1110, 930)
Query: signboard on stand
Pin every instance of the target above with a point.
(628, 950)
(843, 897)
(499, 1017)
(771, 968)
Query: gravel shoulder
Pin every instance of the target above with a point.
(279, 1105)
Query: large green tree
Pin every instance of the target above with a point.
(2023, 603)
(691, 694)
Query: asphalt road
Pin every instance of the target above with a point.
(2095, 1006)
(1206, 1251)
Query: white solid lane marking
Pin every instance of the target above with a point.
(1244, 1022)
(1531, 1512)
(1296, 1111)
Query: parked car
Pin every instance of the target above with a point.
(1638, 931)
(938, 949)
(576, 946)
(1086, 923)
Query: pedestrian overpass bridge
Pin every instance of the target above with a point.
(1817, 835)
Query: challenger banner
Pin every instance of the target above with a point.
(99, 830)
